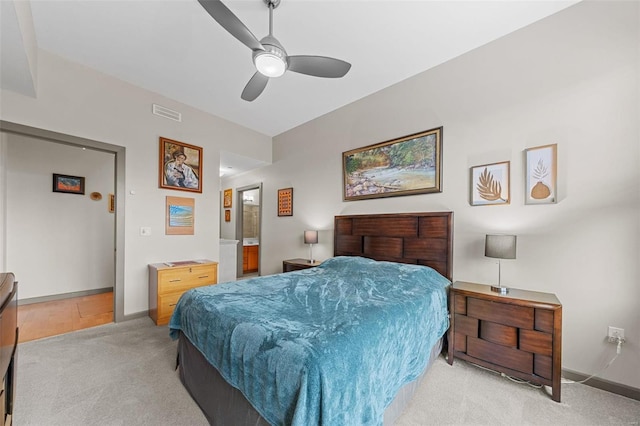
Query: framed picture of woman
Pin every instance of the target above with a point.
(180, 166)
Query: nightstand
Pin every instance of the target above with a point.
(518, 333)
(297, 264)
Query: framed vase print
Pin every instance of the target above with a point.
(540, 175)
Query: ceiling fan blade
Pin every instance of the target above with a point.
(254, 87)
(231, 23)
(318, 66)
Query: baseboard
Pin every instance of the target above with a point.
(606, 385)
(64, 296)
(136, 315)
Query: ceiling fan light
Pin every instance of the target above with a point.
(270, 64)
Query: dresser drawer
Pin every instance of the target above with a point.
(501, 313)
(166, 305)
(178, 280)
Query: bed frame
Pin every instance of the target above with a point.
(416, 238)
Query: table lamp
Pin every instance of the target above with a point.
(311, 238)
(500, 247)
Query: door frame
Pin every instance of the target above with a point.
(119, 176)
(239, 225)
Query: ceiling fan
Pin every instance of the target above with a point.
(269, 57)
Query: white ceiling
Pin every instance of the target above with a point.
(176, 49)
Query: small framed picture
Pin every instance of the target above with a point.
(68, 184)
(227, 198)
(180, 215)
(227, 215)
(111, 206)
(285, 202)
(540, 175)
(180, 166)
(490, 184)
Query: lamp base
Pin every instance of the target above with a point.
(499, 289)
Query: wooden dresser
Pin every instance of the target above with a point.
(518, 333)
(167, 282)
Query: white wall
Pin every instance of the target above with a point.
(56, 242)
(78, 101)
(571, 79)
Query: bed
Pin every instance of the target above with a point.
(342, 343)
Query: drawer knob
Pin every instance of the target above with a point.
(175, 281)
(204, 276)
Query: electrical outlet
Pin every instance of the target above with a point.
(615, 334)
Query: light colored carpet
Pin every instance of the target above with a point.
(123, 374)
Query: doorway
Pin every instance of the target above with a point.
(119, 167)
(248, 229)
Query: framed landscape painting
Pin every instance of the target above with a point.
(404, 166)
(68, 184)
(490, 184)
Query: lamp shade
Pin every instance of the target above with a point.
(311, 237)
(500, 246)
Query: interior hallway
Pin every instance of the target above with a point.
(44, 319)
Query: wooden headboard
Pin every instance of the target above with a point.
(418, 238)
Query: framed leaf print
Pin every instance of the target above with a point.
(540, 178)
(490, 184)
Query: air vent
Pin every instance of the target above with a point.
(166, 113)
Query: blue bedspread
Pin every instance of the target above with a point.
(329, 345)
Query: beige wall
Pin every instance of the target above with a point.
(570, 79)
(58, 243)
(78, 101)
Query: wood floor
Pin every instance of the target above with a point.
(38, 320)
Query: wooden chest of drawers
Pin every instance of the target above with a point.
(519, 333)
(167, 282)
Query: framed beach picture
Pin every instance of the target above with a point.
(404, 166)
(180, 216)
(68, 184)
(490, 184)
(180, 166)
(540, 175)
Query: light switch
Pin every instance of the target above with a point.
(145, 231)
